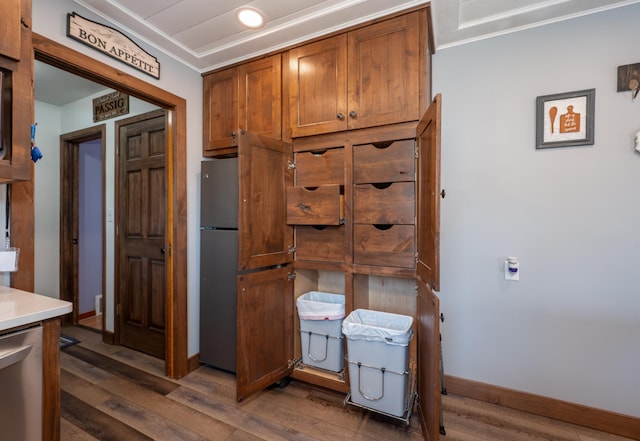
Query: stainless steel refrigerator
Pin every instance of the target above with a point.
(218, 262)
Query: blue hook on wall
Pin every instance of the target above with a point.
(35, 151)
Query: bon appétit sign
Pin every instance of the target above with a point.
(111, 42)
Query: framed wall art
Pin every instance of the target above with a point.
(565, 119)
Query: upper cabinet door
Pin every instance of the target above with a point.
(16, 91)
(318, 87)
(371, 76)
(260, 96)
(220, 110)
(428, 184)
(10, 30)
(384, 72)
(247, 97)
(264, 236)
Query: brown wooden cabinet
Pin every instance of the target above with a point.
(246, 97)
(386, 279)
(352, 212)
(16, 90)
(371, 76)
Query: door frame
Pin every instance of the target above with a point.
(69, 214)
(60, 56)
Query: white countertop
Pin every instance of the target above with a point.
(19, 307)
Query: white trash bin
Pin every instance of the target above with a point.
(321, 315)
(378, 356)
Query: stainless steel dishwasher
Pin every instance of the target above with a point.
(21, 385)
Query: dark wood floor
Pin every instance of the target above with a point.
(113, 393)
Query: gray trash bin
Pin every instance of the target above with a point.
(321, 315)
(378, 356)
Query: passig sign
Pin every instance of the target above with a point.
(110, 105)
(111, 42)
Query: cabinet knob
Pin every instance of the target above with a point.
(340, 116)
(233, 135)
(353, 114)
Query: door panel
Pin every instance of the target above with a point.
(318, 87)
(265, 329)
(141, 205)
(264, 236)
(429, 362)
(383, 86)
(428, 182)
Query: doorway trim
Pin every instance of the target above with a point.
(65, 58)
(69, 214)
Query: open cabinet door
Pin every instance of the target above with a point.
(428, 191)
(265, 330)
(264, 236)
(265, 294)
(428, 269)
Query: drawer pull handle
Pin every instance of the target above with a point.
(382, 227)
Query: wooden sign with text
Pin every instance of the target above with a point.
(110, 105)
(111, 42)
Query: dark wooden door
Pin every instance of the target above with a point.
(383, 74)
(264, 237)
(265, 329)
(318, 87)
(428, 268)
(141, 215)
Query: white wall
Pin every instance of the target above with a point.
(49, 20)
(569, 328)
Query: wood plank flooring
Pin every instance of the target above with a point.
(113, 393)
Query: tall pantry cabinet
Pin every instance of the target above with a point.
(350, 188)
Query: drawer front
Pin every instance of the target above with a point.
(318, 206)
(392, 204)
(384, 162)
(320, 167)
(394, 246)
(325, 244)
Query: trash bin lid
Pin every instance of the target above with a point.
(317, 305)
(365, 324)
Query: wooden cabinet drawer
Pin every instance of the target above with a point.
(320, 167)
(326, 243)
(392, 161)
(391, 245)
(322, 205)
(390, 204)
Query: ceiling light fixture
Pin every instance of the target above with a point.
(250, 18)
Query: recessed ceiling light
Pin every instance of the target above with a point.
(250, 18)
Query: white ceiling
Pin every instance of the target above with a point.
(204, 35)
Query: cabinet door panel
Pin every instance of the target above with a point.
(264, 236)
(260, 96)
(10, 29)
(317, 87)
(265, 330)
(429, 362)
(220, 110)
(428, 182)
(383, 73)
